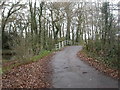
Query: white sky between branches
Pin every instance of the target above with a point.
(37, 4)
(111, 1)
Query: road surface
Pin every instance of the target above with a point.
(71, 72)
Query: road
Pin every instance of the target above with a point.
(71, 72)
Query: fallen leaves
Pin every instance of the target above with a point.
(33, 75)
(99, 66)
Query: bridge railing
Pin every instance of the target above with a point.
(62, 44)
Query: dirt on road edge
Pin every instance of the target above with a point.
(114, 73)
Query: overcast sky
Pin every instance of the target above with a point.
(111, 1)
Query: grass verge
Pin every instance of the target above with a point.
(8, 65)
(0, 70)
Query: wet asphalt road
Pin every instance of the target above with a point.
(71, 72)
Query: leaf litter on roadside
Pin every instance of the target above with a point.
(99, 65)
(33, 75)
